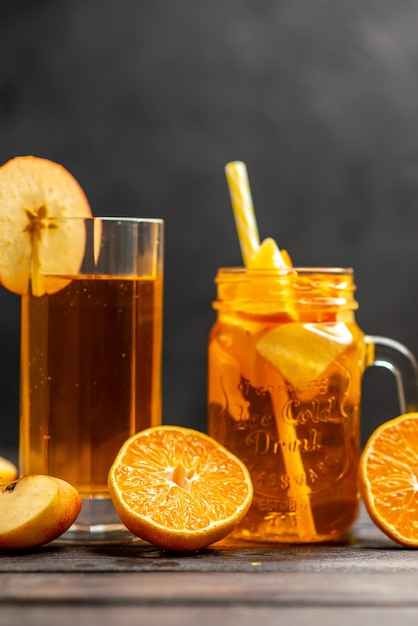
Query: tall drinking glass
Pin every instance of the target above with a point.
(91, 344)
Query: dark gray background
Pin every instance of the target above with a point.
(144, 101)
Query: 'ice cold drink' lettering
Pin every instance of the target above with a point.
(262, 442)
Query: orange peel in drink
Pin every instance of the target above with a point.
(303, 352)
(178, 488)
(268, 256)
(34, 192)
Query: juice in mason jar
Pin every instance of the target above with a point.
(285, 364)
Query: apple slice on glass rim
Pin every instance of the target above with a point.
(34, 194)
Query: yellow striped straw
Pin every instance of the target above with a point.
(242, 205)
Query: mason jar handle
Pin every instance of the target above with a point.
(395, 357)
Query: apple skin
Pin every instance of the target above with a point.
(35, 510)
(8, 471)
(34, 189)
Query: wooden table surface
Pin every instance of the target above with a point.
(368, 580)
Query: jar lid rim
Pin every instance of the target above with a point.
(286, 270)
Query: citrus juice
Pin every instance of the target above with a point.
(285, 365)
(90, 375)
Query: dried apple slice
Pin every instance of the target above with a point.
(32, 191)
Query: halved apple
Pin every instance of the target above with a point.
(8, 471)
(35, 510)
(34, 191)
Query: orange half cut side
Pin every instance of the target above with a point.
(389, 478)
(179, 489)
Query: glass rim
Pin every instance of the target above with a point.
(240, 270)
(91, 218)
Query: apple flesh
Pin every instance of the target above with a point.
(8, 471)
(34, 241)
(35, 510)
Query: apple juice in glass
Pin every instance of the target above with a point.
(286, 358)
(91, 360)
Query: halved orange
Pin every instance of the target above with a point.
(32, 190)
(178, 488)
(389, 478)
(8, 471)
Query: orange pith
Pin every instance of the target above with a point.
(32, 190)
(179, 489)
(389, 478)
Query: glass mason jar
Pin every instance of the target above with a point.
(286, 359)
